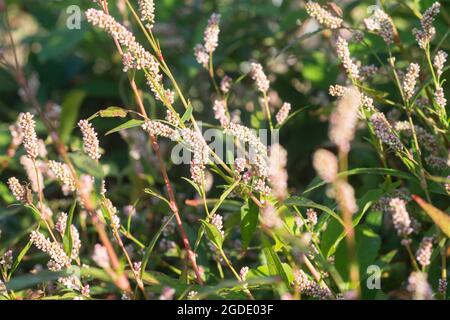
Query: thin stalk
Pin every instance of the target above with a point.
(267, 110)
(155, 146)
(230, 266)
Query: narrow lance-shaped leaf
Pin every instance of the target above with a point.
(127, 125)
(67, 238)
(440, 218)
(249, 222)
(214, 235)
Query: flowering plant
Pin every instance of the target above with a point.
(208, 204)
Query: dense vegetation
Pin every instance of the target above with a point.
(232, 149)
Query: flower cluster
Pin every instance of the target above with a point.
(426, 35)
(381, 23)
(202, 52)
(409, 82)
(136, 57)
(156, 128)
(326, 165)
(30, 142)
(423, 254)
(311, 215)
(220, 112)
(400, 217)
(345, 197)
(200, 153)
(217, 221)
(7, 259)
(323, 16)
(278, 175)
(34, 174)
(225, 84)
(344, 118)
(343, 53)
(258, 75)
(419, 286)
(90, 140)
(63, 173)
(283, 113)
(439, 61)
(310, 287)
(384, 131)
(18, 190)
(59, 259)
(101, 257)
(439, 97)
(147, 10)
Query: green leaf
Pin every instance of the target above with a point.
(87, 165)
(19, 258)
(30, 280)
(304, 202)
(274, 264)
(249, 221)
(67, 237)
(113, 112)
(213, 234)
(127, 125)
(187, 114)
(152, 244)
(69, 114)
(440, 218)
(336, 233)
